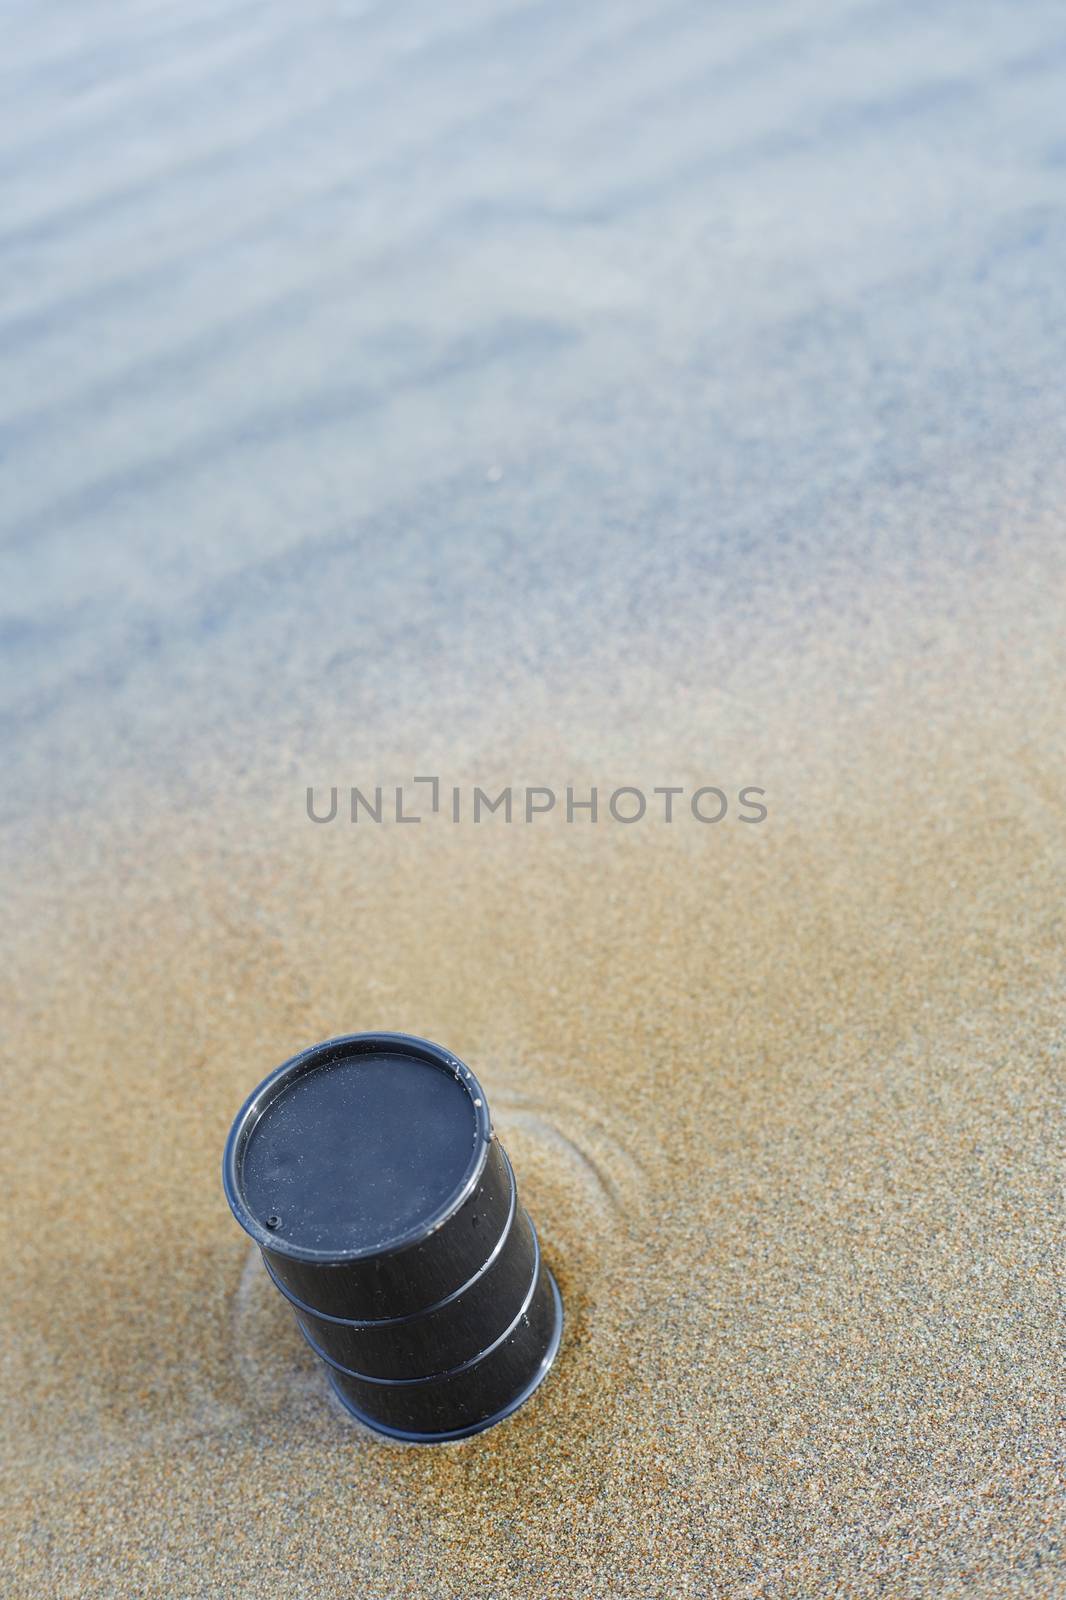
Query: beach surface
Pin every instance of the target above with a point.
(640, 399)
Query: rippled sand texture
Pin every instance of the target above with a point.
(645, 396)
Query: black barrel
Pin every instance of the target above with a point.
(387, 1213)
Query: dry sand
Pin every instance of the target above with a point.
(783, 1100)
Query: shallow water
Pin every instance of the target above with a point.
(645, 398)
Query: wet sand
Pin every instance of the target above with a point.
(783, 1100)
(619, 400)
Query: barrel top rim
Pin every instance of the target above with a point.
(327, 1053)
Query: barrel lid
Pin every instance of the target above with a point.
(357, 1147)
